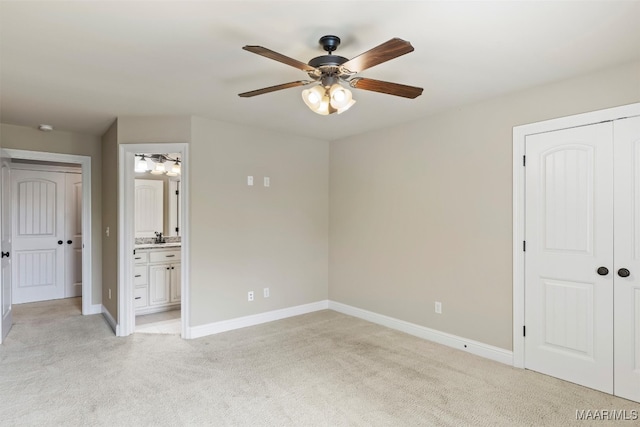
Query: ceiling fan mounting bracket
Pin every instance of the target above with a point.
(329, 43)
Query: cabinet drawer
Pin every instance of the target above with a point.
(164, 256)
(140, 275)
(140, 296)
(141, 257)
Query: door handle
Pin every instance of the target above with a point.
(69, 242)
(603, 271)
(623, 272)
(5, 254)
(60, 242)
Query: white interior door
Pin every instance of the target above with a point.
(6, 319)
(569, 228)
(38, 235)
(627, 257)
(149, 207)
(73, 235)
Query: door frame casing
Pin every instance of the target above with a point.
(85, 165)
(126, 321)
(520, 134)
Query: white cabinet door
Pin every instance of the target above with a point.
(159, 284)
(175, 282)
(569, 228)
(627, 257)
(38, 235)
(149, 207)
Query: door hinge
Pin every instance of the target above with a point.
(177, 229)
(134, 251)
(524, 160)
(177, 192)
(524, 246)
(524, 331)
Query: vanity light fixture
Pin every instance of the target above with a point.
(159, 164)
(45, 128)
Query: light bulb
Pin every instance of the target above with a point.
(340, 97)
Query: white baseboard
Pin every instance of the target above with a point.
(110, 320)
(474, 347)
(95, 309)
(255, 319)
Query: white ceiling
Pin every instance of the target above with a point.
(78, 65)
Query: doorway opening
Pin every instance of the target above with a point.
(153, 235)
(60, 236)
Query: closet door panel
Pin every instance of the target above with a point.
(627, 258)
(569, 211)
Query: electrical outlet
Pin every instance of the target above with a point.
(265, 292)
(438, 307)
(267, 181)
(250, 296)
(109, 293)
(249, 180)
(107, 231)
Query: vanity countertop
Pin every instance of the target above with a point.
(158, 245)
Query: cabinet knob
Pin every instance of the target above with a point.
(5, 254)
(69, 242)
(603, 271)
(60, 242)
(138, 297)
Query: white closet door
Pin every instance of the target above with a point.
(569, 226)
(6, 311)
(38, 235)
(627, 256)
(73, 235)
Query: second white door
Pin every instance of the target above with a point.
(44, 258)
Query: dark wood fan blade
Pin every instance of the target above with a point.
(268, 53)
(379, 54)
(386, 87)
(274, 88)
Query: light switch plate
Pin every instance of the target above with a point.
(267, 181)
(249, 180)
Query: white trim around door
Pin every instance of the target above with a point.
(85, 163)
(126, 203)
(520, 134)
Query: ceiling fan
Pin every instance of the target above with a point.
(328, 96)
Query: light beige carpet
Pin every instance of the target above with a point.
(322, 369)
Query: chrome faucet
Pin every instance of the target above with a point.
(159, 238)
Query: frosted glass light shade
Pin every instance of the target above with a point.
(141, 165)
(175, 169)
(158, 169)
(313, 97)
(340, 97)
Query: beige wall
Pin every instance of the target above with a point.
(110, 219)
(248, 238)
(422, 212)
(31, 139)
